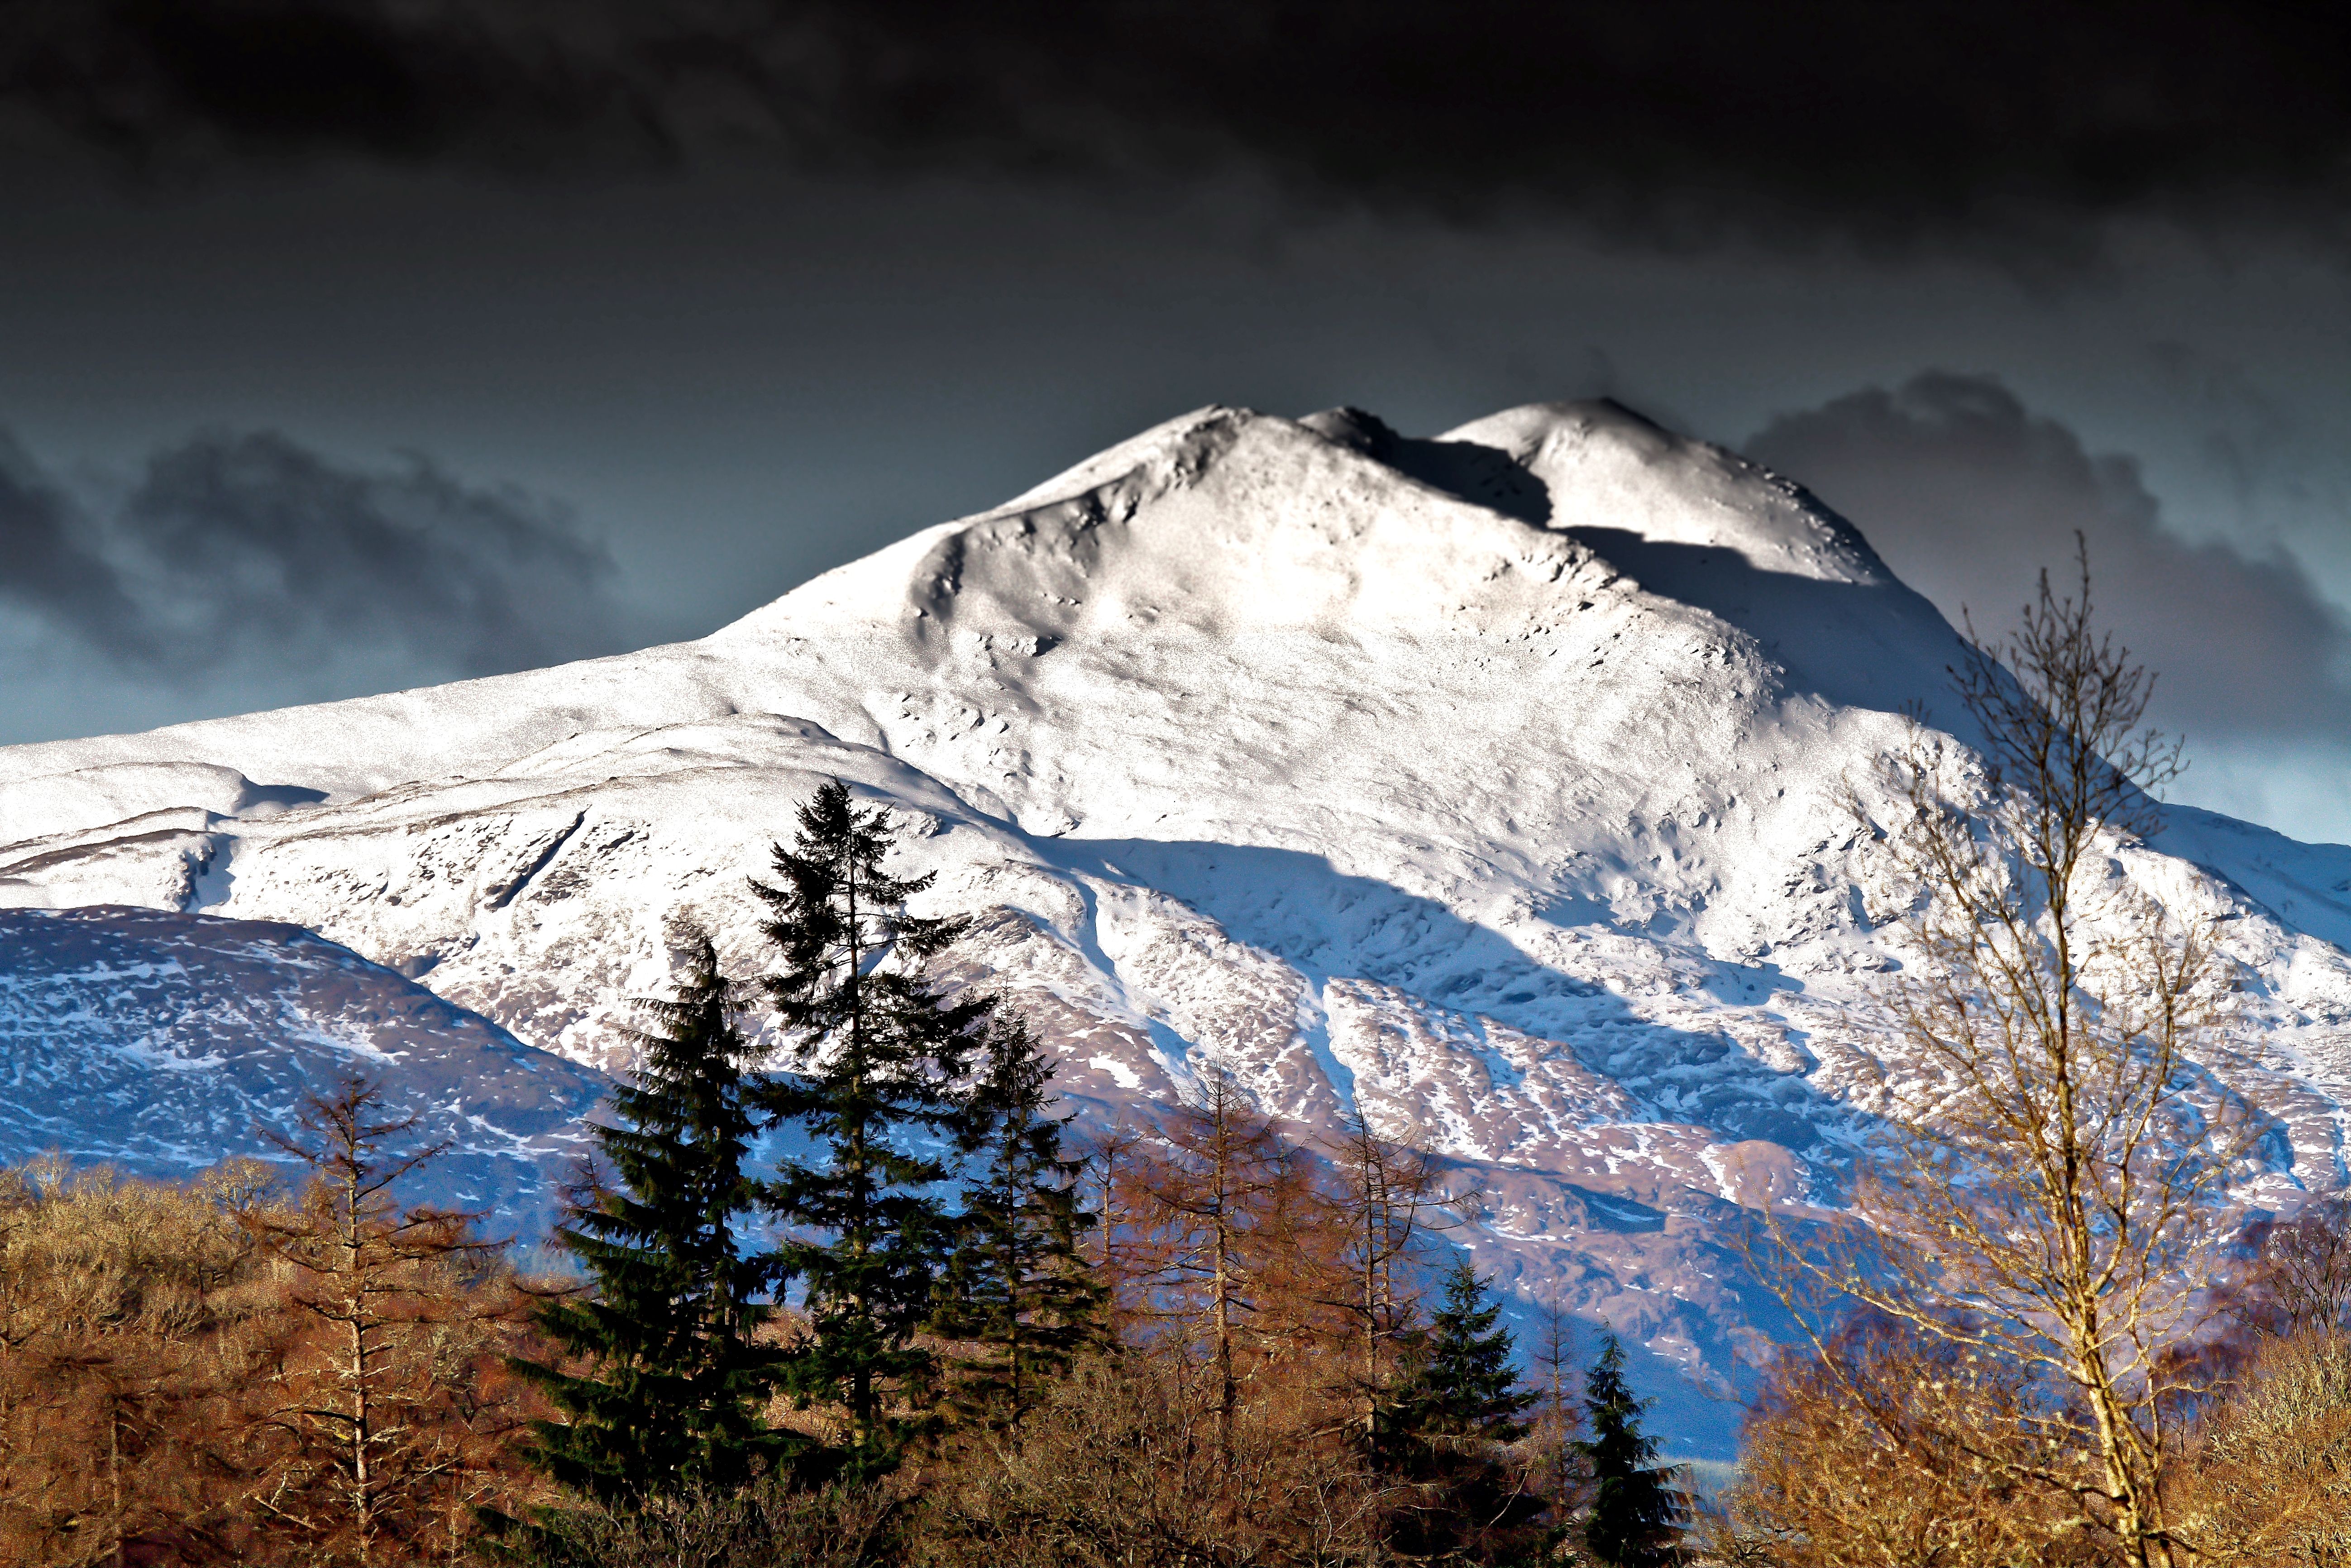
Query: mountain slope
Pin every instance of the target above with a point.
(1494, 784)
(162, 1043)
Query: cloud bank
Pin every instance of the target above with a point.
(233, 550)
(1969, 495)
(1677, 122)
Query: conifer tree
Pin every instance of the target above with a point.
(673, 1400)
(876, 1051)
(1380, 1211)
(1018, 1285)
(1459, 1407)
(1213, 1221)
(1558, 1418)
(1465, 1383)
(1637, 1510)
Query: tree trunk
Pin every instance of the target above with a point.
(1229, 1384)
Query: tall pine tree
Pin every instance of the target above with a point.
(1637, 1510)
(677, 1381)
(877, 1049)
(1459, 1406)
(1017, 1287)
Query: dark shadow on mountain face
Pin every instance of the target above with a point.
(1331, 925)
(1869, 645)
(1485, 475)
(1482, 476)
(1613, 1211)
(285, 797)
(1872, 645)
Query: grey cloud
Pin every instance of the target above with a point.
(1967, 495)
(47, 562)
(240, 547)
(1679, 122)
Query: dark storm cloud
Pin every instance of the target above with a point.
(238, 547)
(168, 86)
(48, 565)
(1967, 495)
(1672, 120)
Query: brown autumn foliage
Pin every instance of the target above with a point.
(216, 1373)
(1882, 1449)
(1134, 1460)
(130, 1316)
(1121, 1465)
(2268, 1478)
(1268, 1296)
(199, 1374)
(385, 1403)
(1213, 1249)
(1887, 1446)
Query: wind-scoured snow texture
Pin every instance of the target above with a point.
(1495, 784)
(161, 1043)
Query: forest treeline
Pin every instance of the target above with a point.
(172, 1392)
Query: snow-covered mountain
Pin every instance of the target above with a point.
(1490, 783)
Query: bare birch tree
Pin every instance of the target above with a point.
(2302, 1275)
(2052, 1148)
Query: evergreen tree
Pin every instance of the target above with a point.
(1460, 1405)
(1467, 1384)
(877, 1049)
(1017, 1284)
(674, 1397)
(1637, 1510)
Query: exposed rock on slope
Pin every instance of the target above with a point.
(159, 1042)
(1491, 783)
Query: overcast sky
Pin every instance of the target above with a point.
(349, 347)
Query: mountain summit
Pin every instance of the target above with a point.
(1494, 784)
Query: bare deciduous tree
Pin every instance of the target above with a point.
(2303, 1275)
(362, 1406)
(1886, 1446)
(124, 1333)
(2269, 1477)
(2052, 1148)
(1381, 1208)
(1214, 1211)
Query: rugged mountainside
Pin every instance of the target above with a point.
(1491, 783)
(157, 1043)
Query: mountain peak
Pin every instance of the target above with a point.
(1227, 523)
